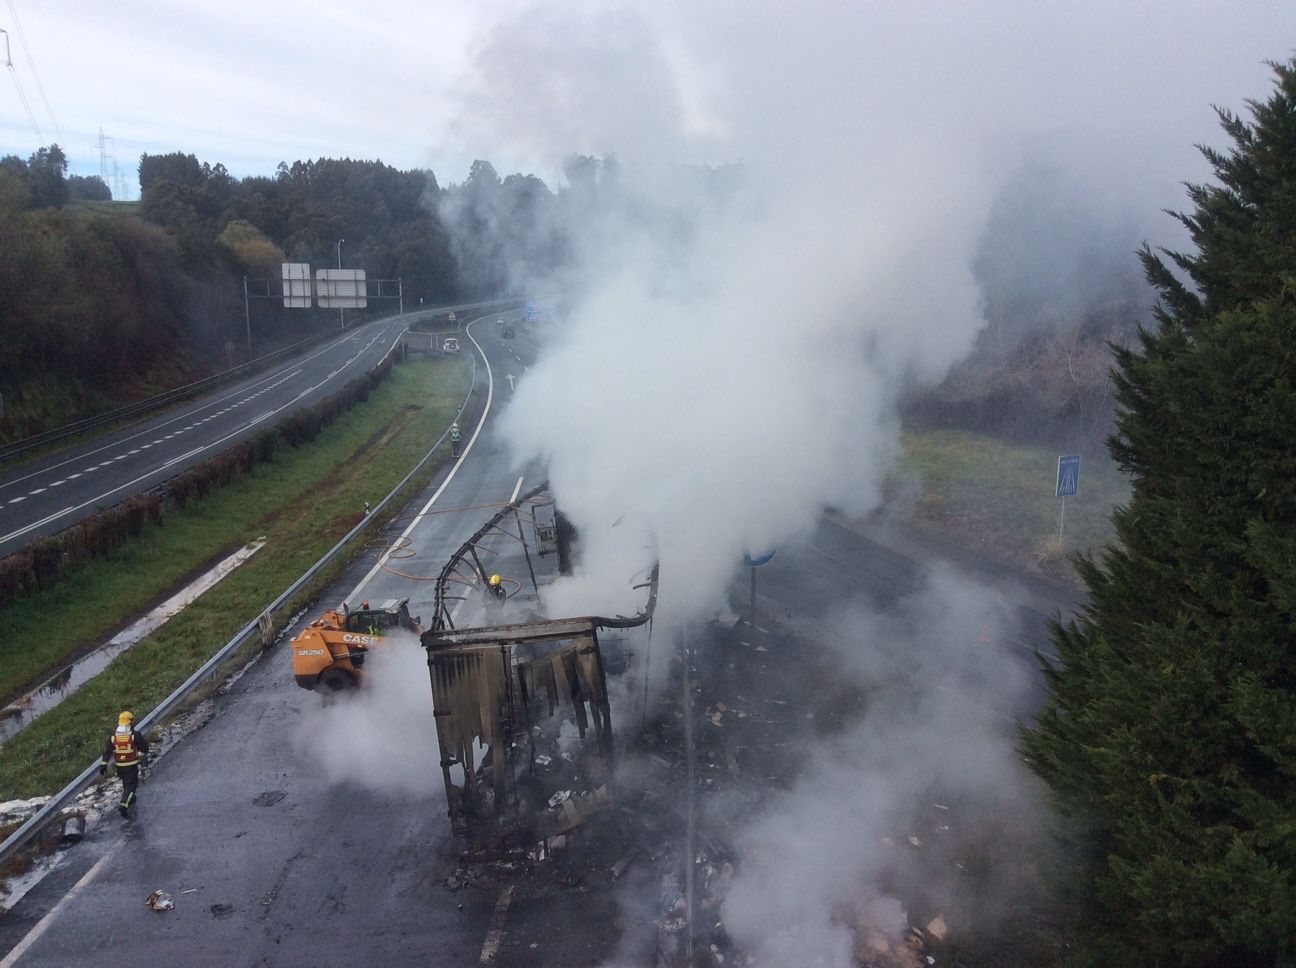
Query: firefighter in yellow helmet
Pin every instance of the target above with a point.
(496, 588)
(125, 750)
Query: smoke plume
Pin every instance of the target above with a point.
(381, 736)
(923, 798)
(738, 337)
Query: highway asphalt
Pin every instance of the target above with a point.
(272, 860)
(283, 862)
(56, 491)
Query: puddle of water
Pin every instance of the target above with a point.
(19, 714)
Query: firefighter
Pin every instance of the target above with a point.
(126, 749)
(454, 439)
(495, 586)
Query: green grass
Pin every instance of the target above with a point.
(303, 502)
(998, 499)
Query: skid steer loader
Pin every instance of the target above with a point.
(329, 653)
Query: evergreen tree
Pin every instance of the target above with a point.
(1169, 737)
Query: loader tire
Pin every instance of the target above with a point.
(334, 681)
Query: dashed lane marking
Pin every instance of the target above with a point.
(150, 473)
(496, 933)
(284, 376)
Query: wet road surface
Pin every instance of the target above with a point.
(56, 491)
(272, 863)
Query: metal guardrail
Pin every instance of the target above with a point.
(46, 814)
(161, 400)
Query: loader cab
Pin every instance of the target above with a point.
(391, 614)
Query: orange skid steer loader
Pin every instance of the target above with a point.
(329, 653)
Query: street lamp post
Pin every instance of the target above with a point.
(341, 311)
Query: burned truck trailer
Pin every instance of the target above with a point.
(521, 709)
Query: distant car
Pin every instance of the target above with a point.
(507, 332)
(450, 345)
(500, 322)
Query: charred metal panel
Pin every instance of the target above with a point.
(500, 709)
(523, 721)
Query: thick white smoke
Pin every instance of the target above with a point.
(931, 759)
(717, 411)
(382, 735)
(738, 343)
(734, 357)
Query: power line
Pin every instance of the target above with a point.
(31, 61)
(22, 95)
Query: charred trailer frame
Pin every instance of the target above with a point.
(501, 695)
(496, 692)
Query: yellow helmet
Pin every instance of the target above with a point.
(126, 718)
(495, 580)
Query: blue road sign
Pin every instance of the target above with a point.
(758, 560)
(536, 312)
(1068, 476)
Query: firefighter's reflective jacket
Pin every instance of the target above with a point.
(125, 746)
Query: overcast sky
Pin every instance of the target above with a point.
(420, 84)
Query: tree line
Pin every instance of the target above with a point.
(103, 303)
(1169, 737)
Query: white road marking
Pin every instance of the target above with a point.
(490, 395)
(39, 490)
(147, 474)
(58, 483)
(43, 924)
(496, 933)
(17, 499)
(73, 477)
(517, 489)
(199, 408)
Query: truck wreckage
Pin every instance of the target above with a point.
(521, 706)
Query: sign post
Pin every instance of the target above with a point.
(752, 564)
(1068, 484)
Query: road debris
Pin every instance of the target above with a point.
(160, 901)
(936, 927)
(73, 827)
(626, 859)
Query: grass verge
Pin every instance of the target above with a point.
(303, 502)
(998, 499)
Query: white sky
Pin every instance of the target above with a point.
(419, 84)
(243, 83)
